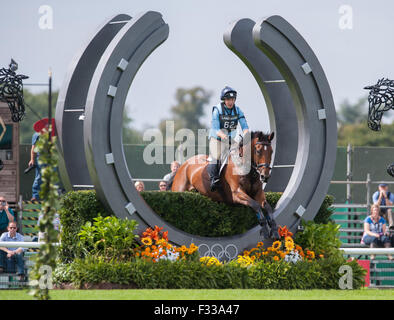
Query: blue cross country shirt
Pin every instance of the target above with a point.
(226, 118)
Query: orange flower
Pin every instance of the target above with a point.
(165, 235)
(260, 244)
(276, 258)
(284, 232)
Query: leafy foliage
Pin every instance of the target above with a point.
(320, 238)
(353, 113)
(185, 274)
(77, 208)
(47, 254)
(360, 135)
(212, 219)
(37, 109)
(109, 237)
(188, 110)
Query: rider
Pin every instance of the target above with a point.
(225, 118)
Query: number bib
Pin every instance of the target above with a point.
(228, 121)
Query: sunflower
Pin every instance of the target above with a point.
(146, 241)
(290, 239)
(276, 245)
(260, 244)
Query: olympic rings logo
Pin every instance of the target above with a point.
(230, 252)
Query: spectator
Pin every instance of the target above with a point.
(6, 215)
(162, 185)
(383, 197)
(169, 177)
(375, 233)
(34, 162)
(11, 257)
(174, 168)
(55, 222)
(139, 185)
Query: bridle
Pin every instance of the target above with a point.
(256, 167)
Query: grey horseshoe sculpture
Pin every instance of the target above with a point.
(70, 107)
(301, 110)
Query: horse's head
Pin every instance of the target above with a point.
(381, 99)
(261, 154)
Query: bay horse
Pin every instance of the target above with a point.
(244, 187)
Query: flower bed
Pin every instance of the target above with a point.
(153, 262)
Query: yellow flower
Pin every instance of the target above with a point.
(260, 244)
(209, 261)
(246, 253)
(289, 245)
(276, 245)
(146, 241)
(290, 239)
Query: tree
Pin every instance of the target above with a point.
(360, 135)
(37, 108)
(353, 113)
(188, 110)
(130, 136)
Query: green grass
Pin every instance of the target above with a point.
(246, 294)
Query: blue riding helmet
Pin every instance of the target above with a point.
(227, 93)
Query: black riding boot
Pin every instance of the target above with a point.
(213, 171)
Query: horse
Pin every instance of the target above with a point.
(245, 187)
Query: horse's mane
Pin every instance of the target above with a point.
(260, 135)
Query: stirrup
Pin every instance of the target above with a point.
(215, 183)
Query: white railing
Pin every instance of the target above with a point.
(15, 244)
(367, 251)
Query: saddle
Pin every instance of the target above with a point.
(236, 153)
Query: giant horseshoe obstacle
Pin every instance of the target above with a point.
(90, 107)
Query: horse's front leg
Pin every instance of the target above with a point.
(269, 213)
(241, 197)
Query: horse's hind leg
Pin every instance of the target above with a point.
(271, 221)
(181, 181)
(241, 197)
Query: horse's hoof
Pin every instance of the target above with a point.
(264, 232)
(274, 235)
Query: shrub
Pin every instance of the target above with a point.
(183, 274)
(77, 207)
(187, 211)
(320, 238)
(325, 212)
(108, 237)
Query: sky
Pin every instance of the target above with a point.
(353, 53)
